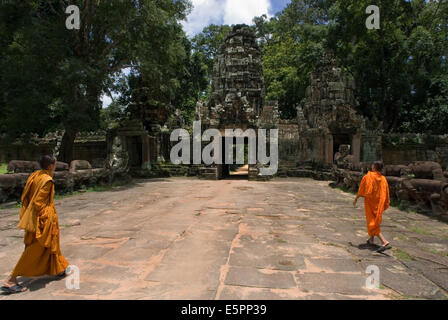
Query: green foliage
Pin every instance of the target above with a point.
(111, 116)
(401, 69)
(53, 78)
(208, 42)
(56, 77)
(3, 168)
(287, 67)
(295, 44)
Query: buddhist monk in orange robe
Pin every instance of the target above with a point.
(38, 217)
(375, 190)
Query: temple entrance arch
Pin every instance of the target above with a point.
(237, 101)
(341, 139)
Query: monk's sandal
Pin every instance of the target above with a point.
(384, 248)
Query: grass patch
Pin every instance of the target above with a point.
(347, 190)
(399, 205)
(281, 241)
(3, 168)
(420, 231)
(402, 255)
(66, 195)
(100, 188)
(83, 190)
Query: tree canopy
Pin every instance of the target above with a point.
(54, 78)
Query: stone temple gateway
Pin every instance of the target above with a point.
(238, 94)
(326, 129)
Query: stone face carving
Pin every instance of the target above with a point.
(330, 99)
(328, 119)
(237, 82)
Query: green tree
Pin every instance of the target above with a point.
(400, 68)
(209, 41)
(77, 64)
(296, 43)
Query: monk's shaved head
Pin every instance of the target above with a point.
(378, 165)
(46, 161)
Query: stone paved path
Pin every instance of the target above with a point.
(189, 239)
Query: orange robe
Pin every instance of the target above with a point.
(38, 217)
(375, 190)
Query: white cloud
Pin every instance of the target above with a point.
(204, 13)
(243, 11)
(219, 12)
(106, 101)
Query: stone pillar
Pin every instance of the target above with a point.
(356, 147)
(146, 156)
(329, 152)
(379, 147)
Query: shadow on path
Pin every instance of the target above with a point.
(35, 284)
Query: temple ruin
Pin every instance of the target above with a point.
(238, 94)
(328, 119)
(328, 140)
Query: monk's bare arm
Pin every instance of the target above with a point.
(356, 200)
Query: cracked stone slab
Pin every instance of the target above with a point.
(345, 284)
(332, 265)
(252, 277)
(408, 283)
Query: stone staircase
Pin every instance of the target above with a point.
(254, 175)
(208, 173)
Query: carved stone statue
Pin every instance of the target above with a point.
(119, 159)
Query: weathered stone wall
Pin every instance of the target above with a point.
(328, 118)
(421, 185)
(29, 152)
(288, 130)
(84, 149)
(78, 175)
(407, 148)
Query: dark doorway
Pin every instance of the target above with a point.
(134, 146)
(235, 171)
(340, 139)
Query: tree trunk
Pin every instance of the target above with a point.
(68, 141)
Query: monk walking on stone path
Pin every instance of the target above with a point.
(375, 190)
(38, 217)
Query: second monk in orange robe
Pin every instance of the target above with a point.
(38, 217)
(375, 190)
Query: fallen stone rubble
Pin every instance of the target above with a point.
(422, 185)
(67, 178)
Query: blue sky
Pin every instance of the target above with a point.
(230, 12)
